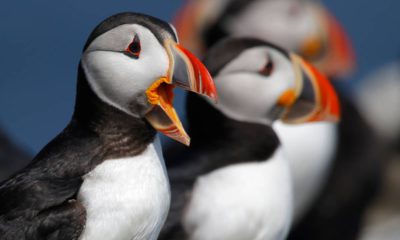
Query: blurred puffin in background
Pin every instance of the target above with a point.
(103, 176)
(303, 26)
(234, 182)
(335, 167)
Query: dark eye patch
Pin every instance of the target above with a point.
(267, 68)
(134, 48)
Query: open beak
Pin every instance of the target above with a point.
(313, 99)
(187, 72)
(330, 50)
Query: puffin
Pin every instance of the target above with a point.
(235, 181)
(201, 23)
(103, 176)
(307, 21)
(302, 26)
(323, 166)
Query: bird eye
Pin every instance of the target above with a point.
(267, 68)
(134, 48)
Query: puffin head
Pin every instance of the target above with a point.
(133, 61)
(302, 26)
(259, 82)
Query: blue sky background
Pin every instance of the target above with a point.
(41, 42)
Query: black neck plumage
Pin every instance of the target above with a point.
(118, 129)
(207, 125)
(101, 131)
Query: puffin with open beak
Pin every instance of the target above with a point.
(103, 176)
(235, 181)
(322, 166)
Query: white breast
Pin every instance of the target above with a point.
(126, 199)
(310, 150)
(243, 201)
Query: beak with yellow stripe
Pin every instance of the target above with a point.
(313, 98)
(186, 71)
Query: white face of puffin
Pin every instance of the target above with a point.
(122, 64)
(262, 84)
(249, 87)
(129, 68)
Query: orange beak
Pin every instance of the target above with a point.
(330, 50)
(314, 98)
(187, 72)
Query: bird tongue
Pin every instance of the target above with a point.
(187, 72)
(163, 116)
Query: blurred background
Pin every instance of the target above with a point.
(41, 45)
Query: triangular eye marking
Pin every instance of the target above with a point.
(134, 47)
(268, 67)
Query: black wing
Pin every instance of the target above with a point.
(39, 202)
